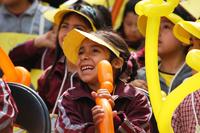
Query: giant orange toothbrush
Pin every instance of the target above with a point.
(105, 76)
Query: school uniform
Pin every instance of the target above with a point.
(49, 88)
(75, 113)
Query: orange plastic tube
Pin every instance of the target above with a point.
(11, 73)
(105, 76)
(115, 9)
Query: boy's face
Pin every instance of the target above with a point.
(130, 27)
(167, 43)
(89, 55)
(69, 23)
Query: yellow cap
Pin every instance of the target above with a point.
(184, 29)
(142, 21)
(73, 40)
(61, 12)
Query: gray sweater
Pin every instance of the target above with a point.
(184, 72)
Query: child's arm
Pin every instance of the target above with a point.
(8, 108)
(70, 119)
(135, 118)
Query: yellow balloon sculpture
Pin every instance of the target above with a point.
(163, 109)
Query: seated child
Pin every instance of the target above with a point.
(77, 109)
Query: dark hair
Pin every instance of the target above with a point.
(118, 43)
(103, 16)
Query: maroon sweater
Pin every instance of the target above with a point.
(75, 110)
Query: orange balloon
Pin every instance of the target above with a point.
(24, 76)
(12, 73)
(105, 76)
(7, 67)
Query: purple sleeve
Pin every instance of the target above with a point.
(136, 118)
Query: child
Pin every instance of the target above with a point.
(8, 109)
(129, 31)
(172, 67)
(56, 79)
(186, 118)
(77, 109)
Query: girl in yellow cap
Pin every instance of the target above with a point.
(186, 118)
(77, 109)
(56, 78)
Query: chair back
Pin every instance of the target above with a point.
(33, 114)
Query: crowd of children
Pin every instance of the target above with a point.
(69, 52)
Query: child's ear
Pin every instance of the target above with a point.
(117, 62)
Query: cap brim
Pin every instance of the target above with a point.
(184, 29)
(73, 40)
(61, 12)
(142, 21)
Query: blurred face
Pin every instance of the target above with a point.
(70, 22)
(130, 27)
(8, 2)
(89, 55)
(12, 2)
(167, 43)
